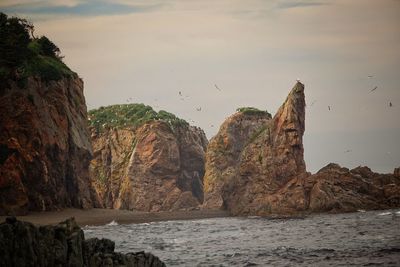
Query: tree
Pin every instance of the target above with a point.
(48, 48)
(14, 40)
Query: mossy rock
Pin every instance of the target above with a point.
(253, 111)
(130, 115)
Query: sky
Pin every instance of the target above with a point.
(147, 51)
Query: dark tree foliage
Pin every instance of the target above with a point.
(22, 55)
(48, 48)
(14, 40)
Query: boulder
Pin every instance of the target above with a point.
(23, 244)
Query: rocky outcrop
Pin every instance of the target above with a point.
(153, 167)
(45, 147)
(271, 156)
(23, 244)
(335, 189)
(258, 169)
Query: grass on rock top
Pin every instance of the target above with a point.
(253, 111)
(130, 115)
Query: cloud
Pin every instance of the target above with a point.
(20, 3)
(298, 4)
(77, 8)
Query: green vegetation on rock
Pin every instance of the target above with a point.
(252, 111)
(22, 55)
(130, 115)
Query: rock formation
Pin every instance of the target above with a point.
(255, 165)
(334, 188)
(23, 244)
(45, 147)
(154, 166)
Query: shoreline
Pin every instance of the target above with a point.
(97, 216)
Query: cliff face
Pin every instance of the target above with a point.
(224, 153)
(260, 169)
(151, 168)
(45, 148)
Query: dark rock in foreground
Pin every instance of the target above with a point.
(23, 244)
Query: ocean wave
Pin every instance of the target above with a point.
(253, 217)
(112, 223)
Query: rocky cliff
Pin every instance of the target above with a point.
(146, 162)
(45, 147)
(23, 244)
(258, 168)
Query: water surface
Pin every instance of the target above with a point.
(352, 239)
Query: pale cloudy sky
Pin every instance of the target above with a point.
(253, 51)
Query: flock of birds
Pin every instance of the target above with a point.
(182, 97)
(372, 90)
(330, 108)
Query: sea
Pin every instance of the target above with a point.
(363, 238)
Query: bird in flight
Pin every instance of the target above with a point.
(370, 76)
(347, 151)
(329, 107)
(390, 104)
(180, 93)
(217, 87)
(198, 109)
(376, 87)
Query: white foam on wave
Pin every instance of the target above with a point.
(112, 223)
(253, 217)
(385, 213)
(398, 212)
(361, 210)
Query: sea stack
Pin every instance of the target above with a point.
(145, 160)
(270, 155)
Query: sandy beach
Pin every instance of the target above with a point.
(104, 216)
